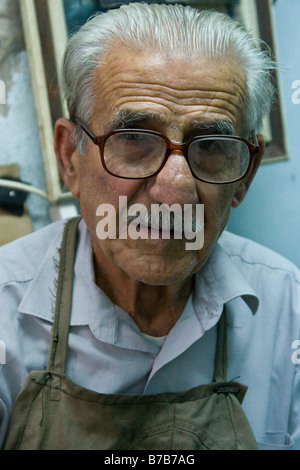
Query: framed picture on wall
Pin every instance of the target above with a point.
(47, 25)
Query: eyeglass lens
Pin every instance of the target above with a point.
(138, 155)
(134, 155)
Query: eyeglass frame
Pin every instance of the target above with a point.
(170, 146)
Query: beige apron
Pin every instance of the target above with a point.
(53, 413)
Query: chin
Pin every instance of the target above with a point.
(154, 275)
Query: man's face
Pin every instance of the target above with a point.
(178, 99)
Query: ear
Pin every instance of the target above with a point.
(67, 156)
(244, 185)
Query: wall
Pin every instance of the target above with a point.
(270, 213)
(19, 135)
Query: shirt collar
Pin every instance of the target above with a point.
(39, 299)
(218, 282)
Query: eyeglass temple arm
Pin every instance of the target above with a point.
(253, 137)
(86, 130)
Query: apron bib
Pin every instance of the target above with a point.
(53, 413)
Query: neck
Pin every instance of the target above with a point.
(155, 309)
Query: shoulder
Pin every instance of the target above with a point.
(258, 261)
(19, 260)
(276, 282)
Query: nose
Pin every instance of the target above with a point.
(174, 183)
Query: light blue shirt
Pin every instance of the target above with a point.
(108, 354)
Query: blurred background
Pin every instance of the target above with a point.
(32, 39)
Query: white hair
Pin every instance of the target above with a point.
(169, 29)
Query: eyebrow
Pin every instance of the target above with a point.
(222, 127)
(124, 119)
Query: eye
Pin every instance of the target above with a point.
(210, 145)
(131, 137)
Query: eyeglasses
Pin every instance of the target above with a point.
(138, 154)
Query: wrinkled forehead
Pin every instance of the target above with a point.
(172, 90)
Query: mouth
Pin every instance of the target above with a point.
(159, 233)
(162, 231)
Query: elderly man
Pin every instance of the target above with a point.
(155, 340)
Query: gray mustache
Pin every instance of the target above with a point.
(164, 219)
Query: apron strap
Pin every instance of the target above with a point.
(220, 373)
(63, 306)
